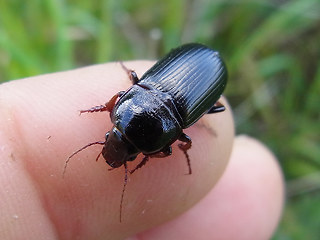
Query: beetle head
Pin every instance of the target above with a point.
(117, 150)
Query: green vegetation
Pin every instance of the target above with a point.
(271, 48)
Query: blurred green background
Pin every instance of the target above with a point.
(271, 49)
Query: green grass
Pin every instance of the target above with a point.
(271, 49)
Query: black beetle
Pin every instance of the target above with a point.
(169, 97)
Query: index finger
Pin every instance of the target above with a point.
(45, 128)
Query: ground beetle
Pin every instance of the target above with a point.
(169, 97)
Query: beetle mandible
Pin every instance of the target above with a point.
(151, 115)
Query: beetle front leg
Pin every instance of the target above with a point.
(185, 147)
(106, 107)
(142, 163)
(163, 153)
(131, 74)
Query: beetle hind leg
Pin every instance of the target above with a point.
(216, 108)
(185, 147)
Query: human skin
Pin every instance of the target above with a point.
(40, 127)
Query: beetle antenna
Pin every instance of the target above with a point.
(76, 152)
(124, 187)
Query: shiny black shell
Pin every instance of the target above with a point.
(170, 96)
(194, 75)
(146, 119)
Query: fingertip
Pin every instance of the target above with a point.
(245, 204)
(259, 190)
(48, 105)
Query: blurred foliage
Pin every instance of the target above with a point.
(271, 48)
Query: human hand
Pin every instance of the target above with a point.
(40, 127)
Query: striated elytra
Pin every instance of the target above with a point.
(151, 115)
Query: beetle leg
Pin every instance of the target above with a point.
(97, 158)
(217, 107)
(161, 154)
(106, 107)
(131, 74)
(165, 152)
(143, 162)
(185, 147)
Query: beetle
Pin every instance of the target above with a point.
(151, 115)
